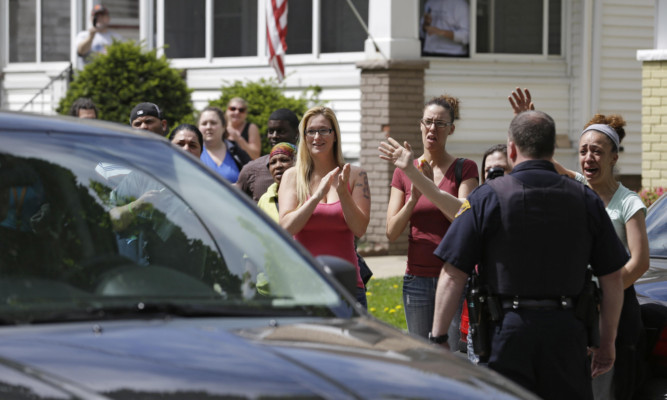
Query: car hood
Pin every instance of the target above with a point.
(248, 358)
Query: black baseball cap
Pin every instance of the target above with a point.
(143, 109)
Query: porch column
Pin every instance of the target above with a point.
(392, 98)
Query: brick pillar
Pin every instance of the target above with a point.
(654, 123)
(392, 100)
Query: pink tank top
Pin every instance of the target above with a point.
(326, 233)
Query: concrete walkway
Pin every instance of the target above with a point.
(386, 266)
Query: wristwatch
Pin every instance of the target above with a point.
(437, 339)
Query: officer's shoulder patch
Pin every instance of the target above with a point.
(464, 207)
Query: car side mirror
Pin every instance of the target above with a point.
(342, 271)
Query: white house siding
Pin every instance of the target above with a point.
(576, 53)
(483, 86)
(626, 27)
(598, 72)
(23, 81)
(339, 82)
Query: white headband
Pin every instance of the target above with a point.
(607, 130)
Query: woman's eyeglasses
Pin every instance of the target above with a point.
(322, 132)
(232, 109)
(438, 124)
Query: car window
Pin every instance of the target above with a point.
(656, 227)
(88, 225)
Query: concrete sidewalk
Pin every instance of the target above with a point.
(386, 266)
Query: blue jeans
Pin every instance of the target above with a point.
(419, 305)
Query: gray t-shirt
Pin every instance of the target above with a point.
(99, 45)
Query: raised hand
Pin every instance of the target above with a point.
(233, 136)
(426, 169)
(520, 100)
(325, 183)
(343, 178)
(400, 156)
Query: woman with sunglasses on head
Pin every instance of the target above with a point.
(245, 134)
(323, 201)
(428, 208)
(599, 144)
(220, 154)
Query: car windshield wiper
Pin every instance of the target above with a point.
(159, 309)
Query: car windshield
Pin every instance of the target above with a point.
(97, 227)
(656, 227)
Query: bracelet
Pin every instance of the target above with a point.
(437, 339)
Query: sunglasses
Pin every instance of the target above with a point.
(232, 109)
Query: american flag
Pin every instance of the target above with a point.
(276, 32)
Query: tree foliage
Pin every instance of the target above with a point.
(264, 97)
(128, 75)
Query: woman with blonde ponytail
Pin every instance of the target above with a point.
(323, 201)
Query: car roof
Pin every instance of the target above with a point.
(13, 120)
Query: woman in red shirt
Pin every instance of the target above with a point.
(430, 215)
(323, 201)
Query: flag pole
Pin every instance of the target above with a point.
(363, 25)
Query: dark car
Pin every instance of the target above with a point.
(129, 270)
(652, 295)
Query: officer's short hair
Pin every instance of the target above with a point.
(534, 133)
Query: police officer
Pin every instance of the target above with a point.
(533, 233)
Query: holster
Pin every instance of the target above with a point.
(588, 309)
(481, 312)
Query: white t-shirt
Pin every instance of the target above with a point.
(451, 15)
(100, 42)
(624, 204)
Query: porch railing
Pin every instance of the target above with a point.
(48, 97)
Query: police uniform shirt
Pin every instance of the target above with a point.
(478, 224)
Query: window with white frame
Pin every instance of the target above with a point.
(518, 27)
(184, 29)
(235, 29)
(525, 27)
(338, 28)
(40, 30)
(53, 32)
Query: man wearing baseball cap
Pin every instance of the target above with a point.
(146, 116)
(149, 117)
(97, 37)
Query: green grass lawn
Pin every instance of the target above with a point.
(385, 300)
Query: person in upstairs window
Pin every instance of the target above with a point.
(445, 28)
(96, 38)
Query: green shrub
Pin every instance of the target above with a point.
(264, 97)
(128, 75)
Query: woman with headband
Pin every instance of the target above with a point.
(598, 154)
